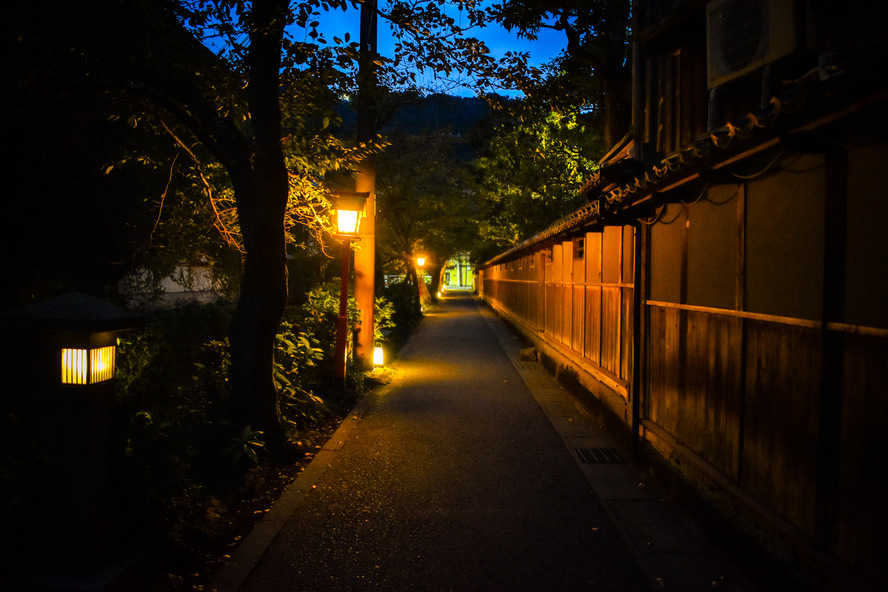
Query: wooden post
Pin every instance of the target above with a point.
(342, 320)
(365, 256)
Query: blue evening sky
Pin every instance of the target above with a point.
(498, 40)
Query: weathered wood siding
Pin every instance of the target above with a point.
(577, 293)
(765, 360)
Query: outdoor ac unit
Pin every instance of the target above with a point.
(744, 35)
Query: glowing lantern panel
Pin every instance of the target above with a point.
(87, 366)
(347, 221)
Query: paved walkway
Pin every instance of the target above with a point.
(462, 475)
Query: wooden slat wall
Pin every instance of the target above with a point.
(714, 366)
(781, 418)
(571, 300)
(861, 511)
(757, 424)
(664, 358)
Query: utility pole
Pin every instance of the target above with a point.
(365, 256)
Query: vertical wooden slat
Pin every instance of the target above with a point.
(781, 418)
(578, 302)
(663, 352)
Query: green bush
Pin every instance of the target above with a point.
(318, 317)
(403, 297)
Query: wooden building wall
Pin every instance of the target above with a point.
(763, 353)
(765, 340)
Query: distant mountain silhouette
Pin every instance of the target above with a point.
(420, 115)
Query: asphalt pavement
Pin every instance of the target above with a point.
(471, 471)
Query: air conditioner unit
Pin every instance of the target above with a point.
(744, 35)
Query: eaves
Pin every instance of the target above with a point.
(787, 122)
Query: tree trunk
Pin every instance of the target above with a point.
(260, 308)
(261, 195)
(435, 272)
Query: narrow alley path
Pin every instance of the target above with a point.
(452, 480)
(465, 474)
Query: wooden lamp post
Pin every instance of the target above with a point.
(349, 208)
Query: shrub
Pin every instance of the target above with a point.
(404, 299)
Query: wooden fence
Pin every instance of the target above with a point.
(762, 364)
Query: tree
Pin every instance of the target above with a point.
(597, 55)
(427, 201)
(530, 172)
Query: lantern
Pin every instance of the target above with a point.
(349, 206)
(63, 359)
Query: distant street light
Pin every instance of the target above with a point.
(349, 206)
(420, 277)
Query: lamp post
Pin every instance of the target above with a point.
(349, 206)
(420, 276)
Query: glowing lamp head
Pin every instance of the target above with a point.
(349, 206)
(420, 260)
(348, 221)
(378, 356)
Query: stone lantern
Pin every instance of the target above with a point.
(61, 357)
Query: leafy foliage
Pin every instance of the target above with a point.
(592, 78)
(427, 201)
(531, 172)
(405, 305)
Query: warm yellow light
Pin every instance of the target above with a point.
(74, 365)
(82, 366)
(349, 206)
(420, 261)
(101, 365)
(378, 358)
(348, 221)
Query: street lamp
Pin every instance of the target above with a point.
(420, 277)
(349, 206)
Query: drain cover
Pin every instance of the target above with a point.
(597, 456)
